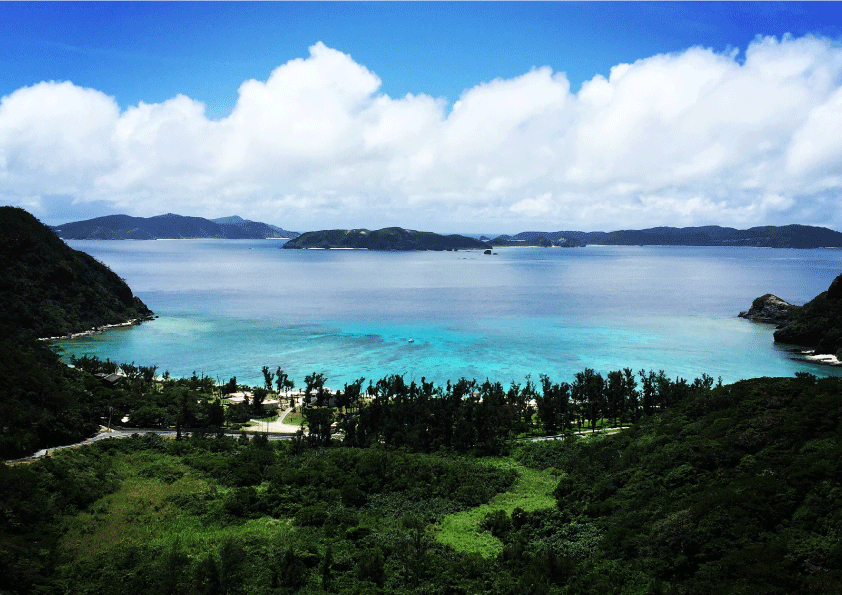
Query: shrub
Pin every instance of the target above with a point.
(310, 516)
(498, 522)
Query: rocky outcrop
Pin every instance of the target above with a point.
(771, 309)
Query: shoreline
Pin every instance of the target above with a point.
(825, 359)
(97, 330)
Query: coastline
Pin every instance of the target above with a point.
(823, 358)
(98, 329)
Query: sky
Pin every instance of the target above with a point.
(449, 117)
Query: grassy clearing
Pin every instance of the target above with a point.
(294, 417)
(141, 511)
(533, 491)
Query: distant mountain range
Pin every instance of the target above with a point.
(770, 236)
(169, 226)
(389, 238)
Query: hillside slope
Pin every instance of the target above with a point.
(50, 289)
(818, 323)
(738, 490)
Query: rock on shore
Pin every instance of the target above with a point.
(770, 308)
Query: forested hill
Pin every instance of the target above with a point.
(390, 238)
(736, 490)
(169, 226)
(50, 289)
(818, 323)
(770, 236)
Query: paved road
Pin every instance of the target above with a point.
(276, 430)
(125, 433)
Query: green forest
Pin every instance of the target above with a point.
(731, 489)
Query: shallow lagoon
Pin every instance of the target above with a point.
(228, 307)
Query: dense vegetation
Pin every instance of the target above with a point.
(46, 404)
(229, 516)
(483, 418)
(735, 489)
(390, 238)
(818, 323)
(42, 403)
(50, 289)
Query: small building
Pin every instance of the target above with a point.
(109, 380)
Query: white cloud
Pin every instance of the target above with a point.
(689, 138)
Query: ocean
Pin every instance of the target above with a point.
(228, 307)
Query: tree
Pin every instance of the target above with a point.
(589, 388)
(553, 405)
(614, 393)
(185, 416)
(326, 568)
(631, 394)
(267, 378)
(647, 382)
(318, 420)
(314, 382)
(206, 580)
(283, 382)
(257, 397)
(216, 414)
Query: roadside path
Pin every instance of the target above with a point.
(277, 427)
(274, 430)
(115, 434)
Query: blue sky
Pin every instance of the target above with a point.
(125, 54)
(150, 52)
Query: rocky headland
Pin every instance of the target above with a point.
(771, 309)
(816, 326)
(818, 323)
(50, 289)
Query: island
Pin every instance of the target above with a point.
(169, 227)
(540, 240)
(389, 238)
(768, 236)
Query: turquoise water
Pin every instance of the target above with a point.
(227, 308)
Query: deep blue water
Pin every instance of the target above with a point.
(227, 307)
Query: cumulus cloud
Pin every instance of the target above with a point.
(695, 137)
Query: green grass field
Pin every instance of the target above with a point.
(294, 417)
(142, 511)
(532, 491)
